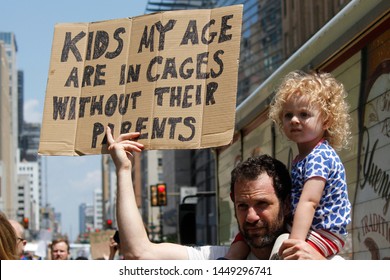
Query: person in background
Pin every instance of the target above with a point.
(312, 112)
(21, 241)
(114, 245)
(8, 240)
(60, 249)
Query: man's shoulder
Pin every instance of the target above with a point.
(216, 252)
(211, 252)
(336, 258)
(206, 252)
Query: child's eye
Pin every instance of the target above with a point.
(288, 116)
(304, 114)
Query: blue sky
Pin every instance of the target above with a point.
(70, 180)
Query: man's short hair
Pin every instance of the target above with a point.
(59, 240)
(253, 167)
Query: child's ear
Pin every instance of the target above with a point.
(326, 124)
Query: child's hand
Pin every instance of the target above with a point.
(239, 250)
(295, 249)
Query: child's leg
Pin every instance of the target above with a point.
(274, 254)
(326, 242)
(239, 250)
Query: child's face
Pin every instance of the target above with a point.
(302, 121)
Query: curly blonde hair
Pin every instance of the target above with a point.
(321, 89)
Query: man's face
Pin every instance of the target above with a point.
(60, 251)
(258, 211)
(21, 243)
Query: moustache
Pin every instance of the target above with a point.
(255, 226)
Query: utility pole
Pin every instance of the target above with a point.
(161, 225)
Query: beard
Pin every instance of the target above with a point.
(261, 234)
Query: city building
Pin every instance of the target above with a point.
(302, 19)
(29, 161)
(86, 218)
(6, 160)
(171, 5)
(24, 202)
(28, 195)
(19, 143)
(29, 142)
(176, 175)
(151, 172)
(20, 103)
(98, 210)
(11, 48)
(9, 123)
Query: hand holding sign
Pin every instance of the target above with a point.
(121, 149)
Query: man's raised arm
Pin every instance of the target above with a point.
(135, 243)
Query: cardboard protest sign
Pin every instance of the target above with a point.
(100, 243)
(172, 76)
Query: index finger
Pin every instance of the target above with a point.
(110, 138)
(285, 245)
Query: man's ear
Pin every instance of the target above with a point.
(287, 205)
(287, 210)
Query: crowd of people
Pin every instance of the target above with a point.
(271, 205)
(13, 243)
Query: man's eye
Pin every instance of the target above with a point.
(242, 206)
(262, 205)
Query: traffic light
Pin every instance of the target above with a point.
(162, 194)
(158, 195)
(25, 222)
(109, 224)
(153, 195)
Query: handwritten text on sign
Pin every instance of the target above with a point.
(171, 76)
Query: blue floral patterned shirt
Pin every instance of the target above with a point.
(334, 209)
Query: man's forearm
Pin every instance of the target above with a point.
(131, 229)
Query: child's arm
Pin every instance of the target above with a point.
(308, 202)
(239, 250)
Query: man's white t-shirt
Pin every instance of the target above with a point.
(215, 252)
(210, 253)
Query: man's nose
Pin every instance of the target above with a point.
(252, 215)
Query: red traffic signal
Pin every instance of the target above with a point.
(109, 224)
(25, 222)
(158, 195)
(162, 194)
